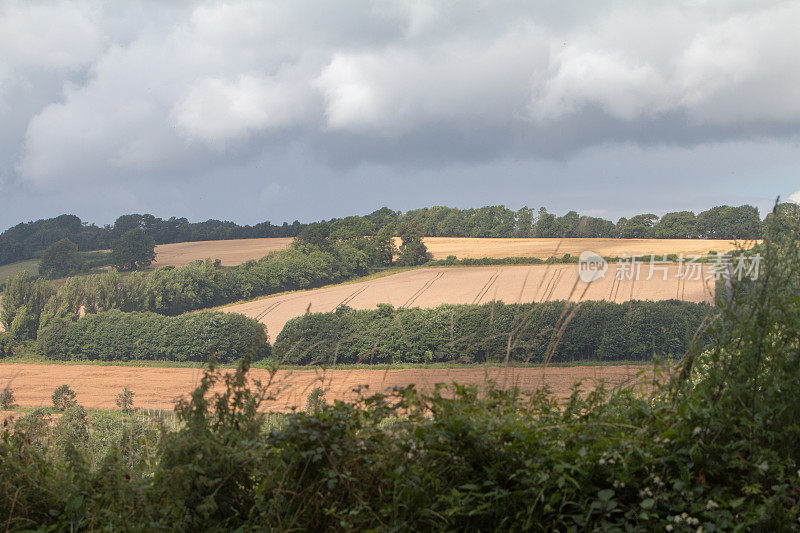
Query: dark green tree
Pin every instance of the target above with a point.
(61, 259)
(638, 227)
(383, 248)
(318, 234)
(133, 250)
(545, 224)
(679, 225)
(412, 250)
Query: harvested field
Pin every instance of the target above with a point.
(431, 287)
(97, 386)
(233, 252)
(238, 251)
(462, 247)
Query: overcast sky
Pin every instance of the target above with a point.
(252, 111)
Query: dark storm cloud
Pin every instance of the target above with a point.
(253, 110)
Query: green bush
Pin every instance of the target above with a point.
(6, 344)
(7, 398)
(64, 398)
(531, 333)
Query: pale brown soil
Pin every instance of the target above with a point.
(158, 388)
(238, 251)
(231, 252)
(431, 287)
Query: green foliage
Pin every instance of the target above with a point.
(124, 400)
(412, 250)
(638, 227)
(680, 225)
(315, 400)
(61, 259)
(7, 398)
(118, 336)
(497, 332)
(24, 299)
(135, 249)
(64, 398)
(6, 344)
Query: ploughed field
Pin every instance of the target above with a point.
(234, 252)
(158, 388)
(431, 287)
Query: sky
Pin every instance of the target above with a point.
(275, 110)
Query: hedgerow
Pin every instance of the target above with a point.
(495, 332)
(117, 336)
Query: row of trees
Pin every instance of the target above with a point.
(29, 240)
(723, 222)
(498, 332)
(118, 336)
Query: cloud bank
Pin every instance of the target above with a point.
(142, 94)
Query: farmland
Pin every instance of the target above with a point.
(97, 386)
(234, 252)
(431, 287)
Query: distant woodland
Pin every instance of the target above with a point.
(28, 240)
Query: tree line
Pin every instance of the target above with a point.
(493, 332)
(117, 336)
(29, 240)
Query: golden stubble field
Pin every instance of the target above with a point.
(234, 252)
(431, 287)
(158, 388)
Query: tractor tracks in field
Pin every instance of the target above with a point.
(352, 296)
(552, 283)
(486, 287)
(421, 290)
(267, 310)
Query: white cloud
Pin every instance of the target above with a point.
(391, 83)
(218, 111)
(795, 197)
(621, 87)
(57, 35)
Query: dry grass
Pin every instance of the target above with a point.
(97, 386)
(431, 287)
(234, 252)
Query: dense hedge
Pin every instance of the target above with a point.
(118, 336)
(595, 330)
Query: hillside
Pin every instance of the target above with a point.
(234, 252)
(431, 287)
